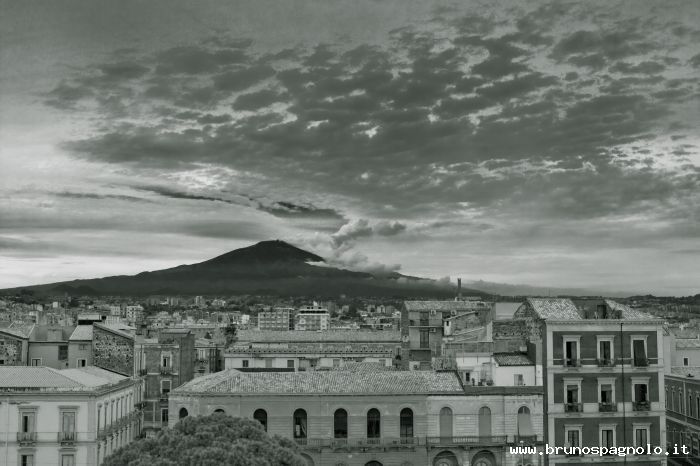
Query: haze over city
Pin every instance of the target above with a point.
(543, 143)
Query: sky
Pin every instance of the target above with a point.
(554, 144)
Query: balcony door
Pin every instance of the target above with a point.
(446, 422)
(484, 422)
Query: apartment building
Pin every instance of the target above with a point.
(682, 392)
(276, 319)
(376, 417)
(603, 374)
(164, 363)
(65, 417)
(312, 318)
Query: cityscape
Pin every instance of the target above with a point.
(349, 233)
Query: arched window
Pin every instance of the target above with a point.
(340, 424)
(406, 423)
(183, 413)
(300, 427)
(260, 415)
(219, 411)
(484, 422)
(446, 422)
(373, 423)
(524, 423)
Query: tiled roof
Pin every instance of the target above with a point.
(512, 359)
(281, 336)
(554, 308)
(81, 333)
(114, 330)
(628, 312)
(46, 378)
(353, 366)
(20, 330)
(442, 305)
(687, 343)
(325, 382)
(685, 371)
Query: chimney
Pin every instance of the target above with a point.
(459, 289)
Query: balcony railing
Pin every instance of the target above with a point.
(345, 443)
(26, 437)
(573, 408)
(163, 397)
(607, 407)
(468, 440)
(640, 362)
(143, 372)
(606, 362)
(166, 370)
(641, 406)
(572, 362)
(66, 438)
(525, 439)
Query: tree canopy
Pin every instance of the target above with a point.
(216, 440)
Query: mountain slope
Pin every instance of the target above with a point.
(268, 267)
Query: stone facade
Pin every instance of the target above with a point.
(11, 351)
(113, 350)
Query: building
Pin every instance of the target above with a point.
(164, 363)
(312, 318)
(80, 346)
(682, 392)
(602, 366)
(65, 417)
(276, 319)
(424, 323)
(208, 357)
(375, 417)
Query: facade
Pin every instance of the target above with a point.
(65, 417)
(80, 346)
(278, 319)
(164, 364)
(312, 319)
(603, 374)
(208, 357)
(682, 392)
(375, 417)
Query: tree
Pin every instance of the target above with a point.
(216, 440)
(230, 333)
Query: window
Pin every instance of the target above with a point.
(572, 395)
(336, 363)
(67, 460)
(686, 361)
(165, 361)
(62, 352)
(300, 427)
(245, 363)
(68, 425)
(81, 363)
(446, 422)
(340, 424)
(36, 361)
(605, 351)
(639, 351)
(165, 386)
(260, 415)
(183, 413)
(641, 435)
(373, 423)
(484, 421)
(524, 423)
(26, 460)
(406, 423)
(518, 379)
(290, 363)
(164, 415)
(640, 394)
(424, 319)
(572, 434)
(83, 347)
(2, 362)
(28, 422)
(571, 351)
(607, 436)
(424, 339)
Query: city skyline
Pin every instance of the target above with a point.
(542, 143)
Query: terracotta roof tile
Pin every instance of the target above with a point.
(512, 359)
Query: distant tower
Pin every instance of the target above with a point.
(459, 289)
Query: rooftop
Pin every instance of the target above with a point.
(350, 336)
(687, 343)
(512, 359)
(18, 329)
(685, 371)
(567, 309)
(326, 382)
(112, 329)
(81, 333)
(49, 379)
(442, 305)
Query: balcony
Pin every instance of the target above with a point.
(66, 438)
(640, 362)
(166, 371)
(467, 440)
(573, 408)
(143, 372)
(26, 438)
(163, 397)
(641, 406)
(606, 363)
(525, 439)
(572, 362)
(607, 407)
(359, 444)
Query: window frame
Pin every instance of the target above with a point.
(571, 339)
(606, 381)
(643, 338)
(572, 381)
(638, 381)
(606, 427)
(573, 428)
(640, 426)
(611, 340)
